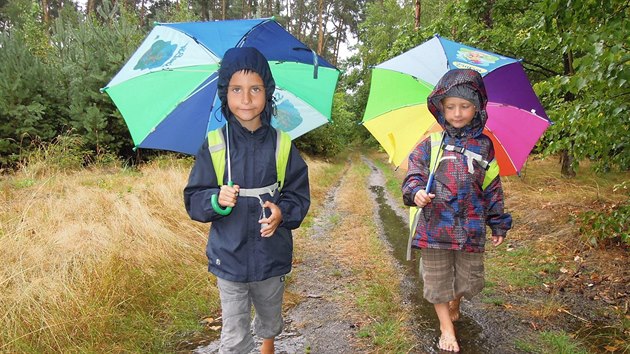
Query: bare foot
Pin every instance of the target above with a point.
(453, 310)
(448, 343)
(267, 346)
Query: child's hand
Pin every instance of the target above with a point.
(227, 195)
(422, 198)
(497, 240)
(272, 222)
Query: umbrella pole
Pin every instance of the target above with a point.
(416, 217)
(214, 200)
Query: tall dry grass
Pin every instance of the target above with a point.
(105, 259)
(99, 261)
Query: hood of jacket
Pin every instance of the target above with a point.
(463, 83)
(249, 59)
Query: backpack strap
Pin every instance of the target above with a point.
(283, 149)
(216, 146)
(492, 172)
(414, 211)
(470, 157)
(492, 167)
(436, 152)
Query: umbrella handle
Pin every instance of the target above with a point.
(214, 200)
(429, 183)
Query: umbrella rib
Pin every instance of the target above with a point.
(503, 146)
(532, 112)
(200, 88)
(420, 81)
(241, 41)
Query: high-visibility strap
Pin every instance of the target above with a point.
(491, 173)
(216, 146)
(414, 212)
(283, 150)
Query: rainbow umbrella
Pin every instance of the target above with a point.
(166, 92)
(397, 113)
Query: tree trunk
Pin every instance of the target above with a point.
(487, 14)
(418, 13)
(341, 30)
(566, 161)
(566, 157)
(142, 12)
(205, 14)
(320, 22)
(90, 7)
(46, 11)
(223, 8)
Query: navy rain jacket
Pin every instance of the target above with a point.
(235, 249)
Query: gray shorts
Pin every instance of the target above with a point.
(236, 306)
(449, 274)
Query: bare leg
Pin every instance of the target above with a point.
(267, 346)
(453, 307)
(448, 341)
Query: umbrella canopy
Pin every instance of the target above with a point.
(397, 113)
(166, 92)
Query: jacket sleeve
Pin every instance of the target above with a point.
(417, 173)
(202, 184)
(497, 219)
(295, 198)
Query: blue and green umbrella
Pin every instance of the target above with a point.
(166, 92)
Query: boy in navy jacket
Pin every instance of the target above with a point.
(250, 250)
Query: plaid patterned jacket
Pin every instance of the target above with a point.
(457, 217)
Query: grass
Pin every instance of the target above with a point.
(521, 268)
(105, 259)
(561, 343)
(99, 260)
(377, 295)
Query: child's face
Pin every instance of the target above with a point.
(458, 111)
(246, 98)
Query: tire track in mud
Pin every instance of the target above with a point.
(321, 318)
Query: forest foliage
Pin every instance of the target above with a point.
(57, 55)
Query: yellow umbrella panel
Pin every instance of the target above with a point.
(399, 131)
(396, 113)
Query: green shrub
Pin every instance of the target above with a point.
(609, 225)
